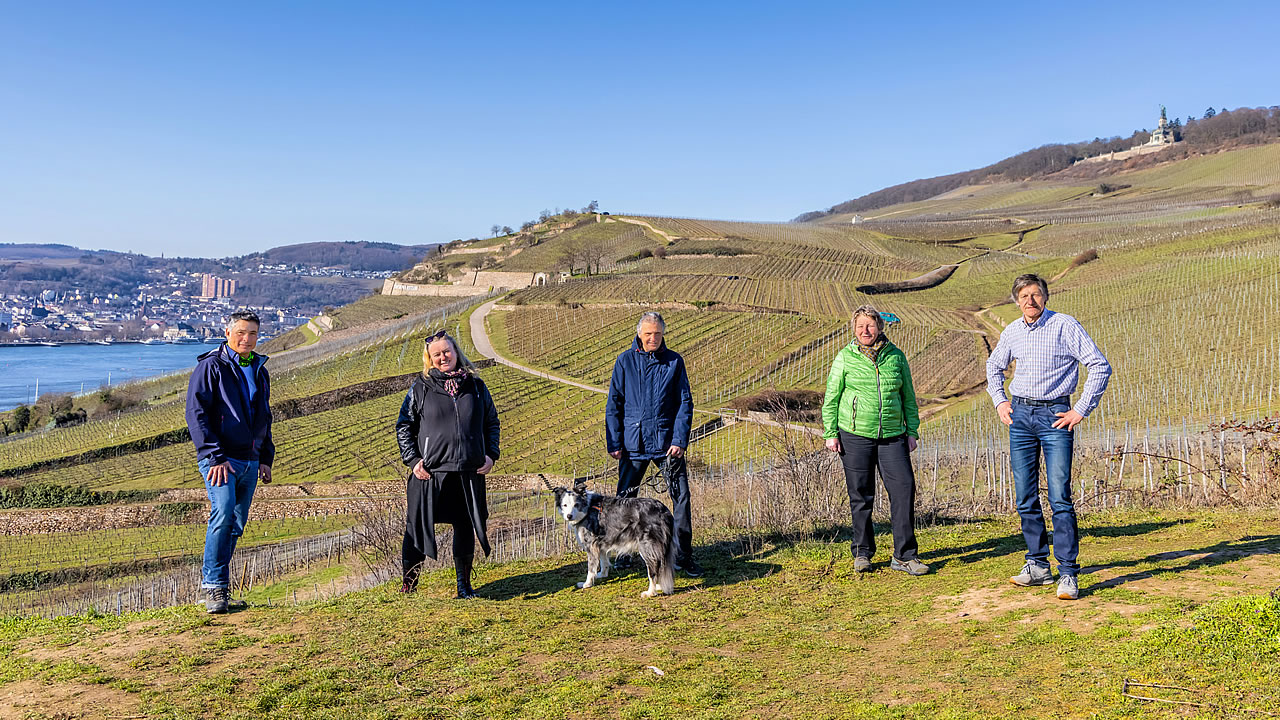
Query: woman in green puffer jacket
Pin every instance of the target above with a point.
(870, 418)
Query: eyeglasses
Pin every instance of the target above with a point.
(432, 338)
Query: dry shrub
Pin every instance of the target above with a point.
(791, 405)
(802, 489)
(380, 533)
(1084, 257)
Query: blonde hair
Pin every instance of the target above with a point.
(871, 312)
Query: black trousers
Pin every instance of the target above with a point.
(860, 457)
(449, 506)
(631, 474)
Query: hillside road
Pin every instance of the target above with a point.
(480, 338)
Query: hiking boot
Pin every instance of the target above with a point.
(862, 564)
(1068, 588)
(1033, 575)
(910, 567)
(407, 587)
(690, 568)
(215, 600)
(465, 591)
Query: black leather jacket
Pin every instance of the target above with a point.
(448, 434)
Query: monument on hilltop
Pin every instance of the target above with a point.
(1163, 134)
(1162, 138)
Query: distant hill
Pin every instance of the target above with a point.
(1224, 130)
(29, 268)
(360, 255)
(39, 251)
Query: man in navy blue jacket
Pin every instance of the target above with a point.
(229, 415)
(648, 417)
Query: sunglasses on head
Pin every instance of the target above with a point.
(432, 338)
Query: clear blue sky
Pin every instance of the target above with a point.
(221, 128)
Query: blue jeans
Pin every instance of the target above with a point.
(1031, 432)
(228, 511)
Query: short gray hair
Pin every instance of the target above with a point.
(246, 315)
(871, 312)
(1029, 279)
(652, 316)
(463, 362)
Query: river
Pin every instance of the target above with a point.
(76, 368)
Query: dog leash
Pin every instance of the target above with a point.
(660, 480)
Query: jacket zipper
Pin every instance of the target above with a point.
(457, 425)
(880, 402)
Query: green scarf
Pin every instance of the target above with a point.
(872, 351)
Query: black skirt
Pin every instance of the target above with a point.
(456, 498)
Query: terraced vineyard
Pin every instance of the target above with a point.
(373, 308)
(1256, 167)
(727, 354)
(819, 299)
(1180, 298)
(102, 548)
(391, 356)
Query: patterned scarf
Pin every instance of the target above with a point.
(452, 379)
(872, 351)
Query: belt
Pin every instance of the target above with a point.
(1065, 399)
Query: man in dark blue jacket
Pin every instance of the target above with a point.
(648, 417)
(229, 415)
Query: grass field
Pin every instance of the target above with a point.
(780, 629)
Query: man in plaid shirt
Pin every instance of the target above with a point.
(1047, 347)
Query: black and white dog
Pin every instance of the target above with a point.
(606, 524)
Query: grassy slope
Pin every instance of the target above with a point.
(788, 631)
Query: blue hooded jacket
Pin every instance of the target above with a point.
(650, 406)
(223, 422)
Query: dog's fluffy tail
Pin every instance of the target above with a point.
(667, 576)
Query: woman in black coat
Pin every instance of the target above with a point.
(448, 436)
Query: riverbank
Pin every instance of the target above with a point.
(29, 371)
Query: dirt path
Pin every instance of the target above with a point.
(669, 238)
(480, 338)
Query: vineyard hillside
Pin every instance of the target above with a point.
(1174, 269)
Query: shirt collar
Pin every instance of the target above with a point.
(1040, 321)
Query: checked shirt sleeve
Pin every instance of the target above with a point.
(1089, 355)
(997, 363)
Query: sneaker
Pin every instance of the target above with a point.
(407, 587)
(215, 601)
(910, 567)
(1068, 588)
(862, 564)
(690, 568)
(1033, 575)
